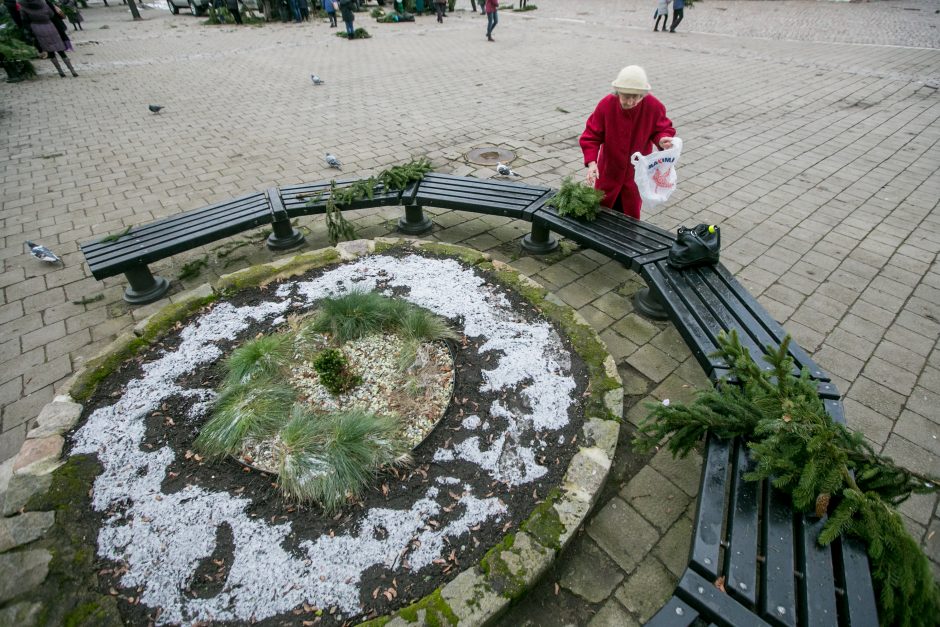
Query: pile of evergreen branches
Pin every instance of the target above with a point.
(824, 467)
(577, 200)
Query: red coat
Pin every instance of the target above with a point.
(611, 135)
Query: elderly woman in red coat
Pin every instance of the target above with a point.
(626, 121)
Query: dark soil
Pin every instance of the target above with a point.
(393, 489)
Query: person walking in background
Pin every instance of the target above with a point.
(232, 6)
(492, 18)
(346, 9)
(662, 11)
(304, 9)
(38, 16)
(677, 8)
(70, 8)
(330, 7)
(627, 121)
(439, 7)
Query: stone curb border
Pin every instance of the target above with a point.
(477, 596)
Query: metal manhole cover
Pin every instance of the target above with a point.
(490, 155)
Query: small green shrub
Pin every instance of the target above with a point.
(259, 358)
(577, 200)
(357, 315)
(528, 7)
(328, 459)
(244, 411)
(359, 33)
(377, 12)
(334, 372)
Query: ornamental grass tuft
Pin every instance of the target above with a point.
(244, 411)
(330, 459)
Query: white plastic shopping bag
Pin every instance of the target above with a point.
(655, 174)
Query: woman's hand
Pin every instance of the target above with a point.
(591, 177)
(665, 143)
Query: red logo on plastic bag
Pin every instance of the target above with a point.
(661, 178)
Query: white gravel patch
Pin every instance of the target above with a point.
(161, 538)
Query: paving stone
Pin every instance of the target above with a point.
(16, 531)
(655, 498)
(21, 614)
(589, 573)
(31, 568)
(876, 396)
(576, 295)
(925, 402)
(635, 328)
(685, 473)
(622, 533)
(595, 317)
(673, 548)
(646, 590)
(909, 455)
(652, 362)
(675, 390)
(875, 426)
(618, 346)
(919, 507)
(612, 614)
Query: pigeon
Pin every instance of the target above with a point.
(333, 162)
(155, 108)
(316, 79)
(42, 253)
(503, 170)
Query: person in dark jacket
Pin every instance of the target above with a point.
(330, 7)
(70, 8)
(39, 17)
(232, 6)
(346, 10)
(678, 8)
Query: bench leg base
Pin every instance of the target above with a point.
(279, 242)
(649, 306)
(539, 241)
(142, 296)
(414, 222)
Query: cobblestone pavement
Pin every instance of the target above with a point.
(810, 135)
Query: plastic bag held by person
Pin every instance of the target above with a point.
(655, 174)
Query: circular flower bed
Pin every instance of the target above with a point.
(184, 538)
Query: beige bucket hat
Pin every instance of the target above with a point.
(631, 80)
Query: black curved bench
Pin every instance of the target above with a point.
(773, 570)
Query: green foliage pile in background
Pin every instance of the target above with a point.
(824, 467)
(577, 200)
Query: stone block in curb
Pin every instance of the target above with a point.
(21, 614)
(31, 568)
(655, 498)
(589, 573)
(352, 250)
(612, 615)
(6, 474)
(685, 473)
(647, 590)
(587, 471)
(603, 433)
(623, 533)
(613, 400)
(471, 599)
(23, 529)
(572, 508)
(56, 418)
(203, 291)
(520, 565)
(40, 456)
(21, 489)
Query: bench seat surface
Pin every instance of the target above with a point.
(175, 234)
(494, 197)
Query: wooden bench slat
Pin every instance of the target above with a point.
(817, 586)
(743, 531)
(487, 205)
(431, 186)
(710, 515)
(710, 602)
(857, 603)
(468, 181)
(778, 583)
(675, 613)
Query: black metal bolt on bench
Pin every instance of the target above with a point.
(745, 535)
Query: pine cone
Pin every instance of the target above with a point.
(822, 504)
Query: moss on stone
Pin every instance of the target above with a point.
(257, 275)
(162, 321)
(376, 622)
(504, 581)
(68, 595)
(437, 612)
(100, 367)
(544, 524)
(467, 255)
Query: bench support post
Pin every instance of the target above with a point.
(414, 222)
(540, 240)
(649, 306)
(144, 287)
(284, 236)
